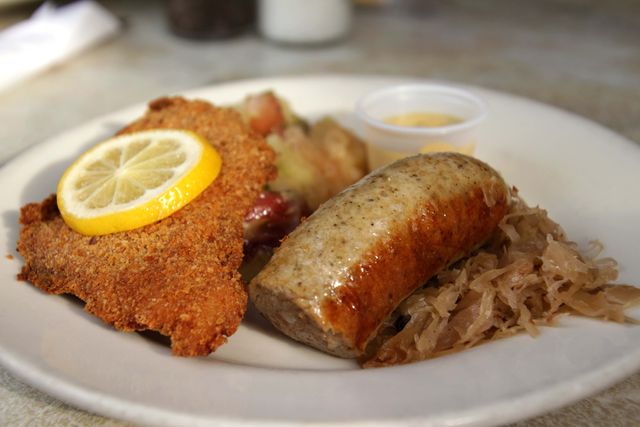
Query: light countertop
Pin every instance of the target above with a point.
(579, 55)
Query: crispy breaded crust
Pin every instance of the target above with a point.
(178, 276)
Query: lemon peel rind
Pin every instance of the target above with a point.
(193, 182)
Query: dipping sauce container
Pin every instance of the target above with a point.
(399, 121)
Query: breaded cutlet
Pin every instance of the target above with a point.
(178, 276)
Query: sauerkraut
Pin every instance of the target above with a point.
(525, 276)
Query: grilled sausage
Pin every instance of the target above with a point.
(338, 275)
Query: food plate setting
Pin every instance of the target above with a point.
(580, 172)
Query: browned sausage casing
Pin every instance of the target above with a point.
(343, 271)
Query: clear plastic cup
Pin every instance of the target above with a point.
(391, 141)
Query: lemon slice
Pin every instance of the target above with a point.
(135, 179)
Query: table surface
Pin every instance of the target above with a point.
(580, 55)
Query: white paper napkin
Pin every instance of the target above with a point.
(50, 36)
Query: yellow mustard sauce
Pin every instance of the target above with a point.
(378, 157)
(423, 119)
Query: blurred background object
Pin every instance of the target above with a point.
(50, 36)
(210, 19)
(12, 3)
(304, 22)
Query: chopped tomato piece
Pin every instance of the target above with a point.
(265, 113)
(272, 217)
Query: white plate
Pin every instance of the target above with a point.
(584, 174)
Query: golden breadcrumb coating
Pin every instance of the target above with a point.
(178, 276)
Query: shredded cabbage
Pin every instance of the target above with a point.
(526, 276)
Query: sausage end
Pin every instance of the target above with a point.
(294, 318)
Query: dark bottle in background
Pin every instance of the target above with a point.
(210, 19)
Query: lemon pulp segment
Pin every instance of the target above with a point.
(135, 179)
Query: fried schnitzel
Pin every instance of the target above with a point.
(178, 276)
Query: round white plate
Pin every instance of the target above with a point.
(583, 174)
